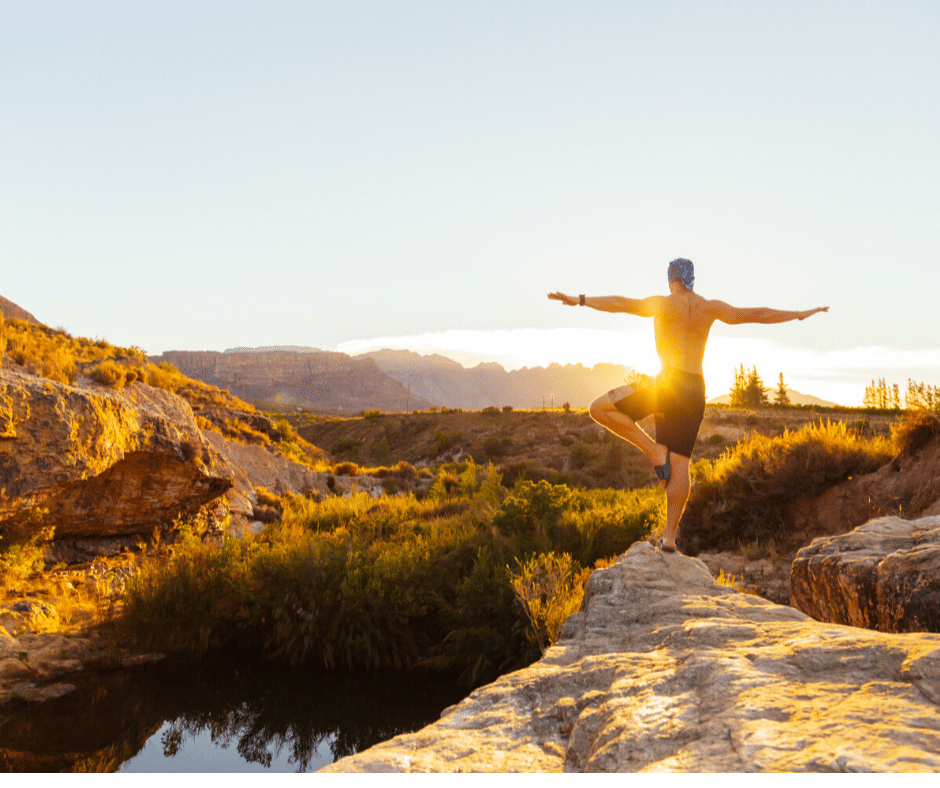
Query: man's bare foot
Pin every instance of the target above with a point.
(661, 464)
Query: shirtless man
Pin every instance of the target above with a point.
(681, 322)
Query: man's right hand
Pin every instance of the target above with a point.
(567, 300)
(811, 312)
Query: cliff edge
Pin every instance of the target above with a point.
(663, 669)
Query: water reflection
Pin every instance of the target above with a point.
(191, 716)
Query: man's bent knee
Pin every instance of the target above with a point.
(601, 409)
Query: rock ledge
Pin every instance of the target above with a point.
(665, 670)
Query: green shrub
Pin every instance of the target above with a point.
(448, 440)
(344, 446)
(389, 582)
(581, 456)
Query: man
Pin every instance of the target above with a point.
(681, 322)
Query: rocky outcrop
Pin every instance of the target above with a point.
(11, 311)
(258, 466)
(665, 670)
(103, 463)
(884, 575)
(313, 381)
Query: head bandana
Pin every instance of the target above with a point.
(682, 270)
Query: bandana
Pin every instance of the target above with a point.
(682, 270)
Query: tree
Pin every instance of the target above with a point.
(748, 390)
(877, 395)
(781, 397)
(739, 388)
(922, 395)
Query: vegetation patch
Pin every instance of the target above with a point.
(744, 495)
(389, 582)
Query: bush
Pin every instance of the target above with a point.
(344, 446)
(495, 446)
(448, 440)
(745, 494)
(914, 429)
(580, 456)
(110, 374)
(388, 582)
(550, 588)
(22, 547)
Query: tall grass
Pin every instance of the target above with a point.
(391, 582)
(744, 495)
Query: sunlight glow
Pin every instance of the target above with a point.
(835, 375)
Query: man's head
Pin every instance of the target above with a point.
(682, 271)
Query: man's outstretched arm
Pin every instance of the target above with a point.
(643, 307)
(736, 315)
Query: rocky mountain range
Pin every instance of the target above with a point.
(311, 380)
(388, 380)
(445, 382)
(401, 380)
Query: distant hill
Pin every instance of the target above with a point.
(796, 398)
(11, 310)
(312, 380)
(445, 382)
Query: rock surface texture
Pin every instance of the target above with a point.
(884, 575)
(104, 463)
(665, 670)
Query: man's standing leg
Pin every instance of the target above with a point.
(677, 495)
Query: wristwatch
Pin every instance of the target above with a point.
(581, 300)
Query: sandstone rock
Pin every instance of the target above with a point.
(884, 575)
(103, 463)
(764, 577)
(255, 466)
(665, 670)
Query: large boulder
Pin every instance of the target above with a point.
(884, 575)
(104, 463)
(665, 670)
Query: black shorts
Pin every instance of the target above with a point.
(676, 398)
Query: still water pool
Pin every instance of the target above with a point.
(224, 713)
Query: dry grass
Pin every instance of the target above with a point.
(744, 495)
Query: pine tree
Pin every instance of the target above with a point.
(738, 390)
(748, 390)
(781, 397)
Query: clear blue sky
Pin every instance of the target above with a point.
(204, 175)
